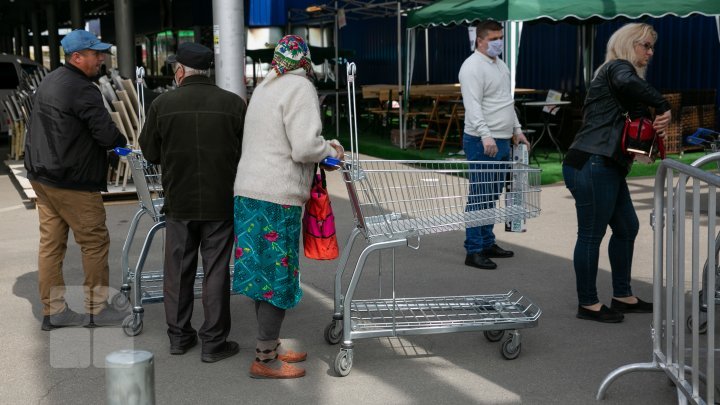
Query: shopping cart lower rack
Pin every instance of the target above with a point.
(397, 202)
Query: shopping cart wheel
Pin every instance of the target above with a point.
(703, 323)
(120, 301)
(131, 326)
(510, 350)
(343, 362)
(333, 332)
(494, 335)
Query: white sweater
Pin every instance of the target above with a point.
(489, 105)
(281, 141)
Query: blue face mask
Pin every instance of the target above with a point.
(495, 48)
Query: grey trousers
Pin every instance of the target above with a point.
(183, 239)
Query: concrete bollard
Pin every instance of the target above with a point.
(130, 378)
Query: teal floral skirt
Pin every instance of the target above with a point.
(267, 240)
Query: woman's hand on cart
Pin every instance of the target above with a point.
(331, 163)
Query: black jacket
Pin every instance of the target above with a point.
(195, 133)
(70, 133)
(603, 118)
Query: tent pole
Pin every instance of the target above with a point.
(427, 57)
(337, 83)
(400, 92)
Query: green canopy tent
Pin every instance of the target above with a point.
(514, 12)
(459, 12)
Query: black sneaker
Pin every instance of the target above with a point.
(497, 252)
(605, 315)
(181, 349)
(109, 316)
(480, 261)
(230, 349)
(67, 317)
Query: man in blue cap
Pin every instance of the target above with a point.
(66, 149)
(195, 133)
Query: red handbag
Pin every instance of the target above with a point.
(319, 238)
(640, 140)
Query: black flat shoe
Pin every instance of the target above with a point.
(497, 252)
(640, 307)
(605, 315)
(479, 261)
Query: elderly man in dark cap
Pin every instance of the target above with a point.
(195, 133)
(66, 159)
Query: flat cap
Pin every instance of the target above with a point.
(193, 55)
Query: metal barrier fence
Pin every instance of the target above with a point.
(684, 221)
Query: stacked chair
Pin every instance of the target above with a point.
(17, 109)
(121, 99)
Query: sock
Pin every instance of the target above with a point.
(266, 353)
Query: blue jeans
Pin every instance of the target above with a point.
(602, 198)
(485, 189)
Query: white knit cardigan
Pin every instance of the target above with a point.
(281, 140)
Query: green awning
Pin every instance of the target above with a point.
(459, 12)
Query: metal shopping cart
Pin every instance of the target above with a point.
(395, 203)
(146, 286)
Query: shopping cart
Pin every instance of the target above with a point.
(394, 203)
(146, 286)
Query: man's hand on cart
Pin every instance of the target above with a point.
(519, 137)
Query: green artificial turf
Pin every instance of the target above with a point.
(376, 142)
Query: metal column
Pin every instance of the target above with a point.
(17, 50)
(76, 15)
(37, 37)
(24, 40)
(53, 41)
(125, 39)
(229, 40)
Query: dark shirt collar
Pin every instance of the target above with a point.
(196, 79)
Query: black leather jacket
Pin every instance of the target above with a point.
(603, 118)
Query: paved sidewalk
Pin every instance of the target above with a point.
(563, 360)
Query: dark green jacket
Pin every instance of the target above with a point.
(195, 133)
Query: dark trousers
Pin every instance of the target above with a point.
(214, 241)
(602, 198)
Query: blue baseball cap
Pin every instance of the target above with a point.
(79, 40)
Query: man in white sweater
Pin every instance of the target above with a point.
(490, 125)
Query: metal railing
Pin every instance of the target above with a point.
(684, 221)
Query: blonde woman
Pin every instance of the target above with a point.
(595, 168)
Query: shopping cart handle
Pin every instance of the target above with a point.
(701, 136)
(331, 162)
(120, 151)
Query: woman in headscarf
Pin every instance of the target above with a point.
(281, 145)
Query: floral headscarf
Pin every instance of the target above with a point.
(292, 53)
